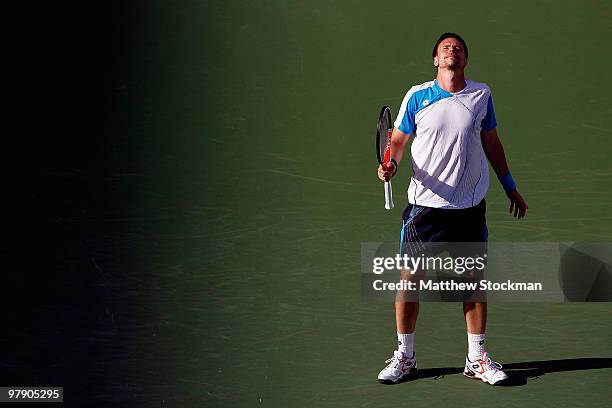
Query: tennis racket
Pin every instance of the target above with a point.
(383, 149)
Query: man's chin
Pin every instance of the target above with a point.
(455, 65)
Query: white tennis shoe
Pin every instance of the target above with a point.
(400, 368)
(485, 369)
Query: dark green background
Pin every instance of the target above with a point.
(198, 243)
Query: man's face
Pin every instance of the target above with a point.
(450, 54)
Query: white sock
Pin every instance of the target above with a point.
(405, 343)
(476, 345)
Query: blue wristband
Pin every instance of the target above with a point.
(507, 182)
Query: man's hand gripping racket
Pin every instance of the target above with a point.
(388, 167)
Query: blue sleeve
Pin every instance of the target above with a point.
(489, 122)
(408, 126)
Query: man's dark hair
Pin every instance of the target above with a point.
(444, 37)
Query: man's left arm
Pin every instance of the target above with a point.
(495, 154)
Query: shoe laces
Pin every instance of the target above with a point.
(493, 365)
(396, 359)
(390, 360)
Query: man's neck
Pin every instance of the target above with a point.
(451, 81)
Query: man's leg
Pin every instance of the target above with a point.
(475, 316)
(403, 363)
(478, 363)
(476, 321)
(407, 304)
(406, 314)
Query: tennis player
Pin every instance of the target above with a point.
(452, 123)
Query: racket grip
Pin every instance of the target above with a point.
(388, 195)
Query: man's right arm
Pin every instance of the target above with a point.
(398, 143)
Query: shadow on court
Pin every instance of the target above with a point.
(519, 373)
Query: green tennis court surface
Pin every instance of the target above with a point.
(209, 255)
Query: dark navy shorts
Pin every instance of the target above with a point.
(421, 225)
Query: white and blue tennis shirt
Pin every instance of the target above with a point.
(449, 166)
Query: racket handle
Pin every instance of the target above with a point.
(388, 195)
